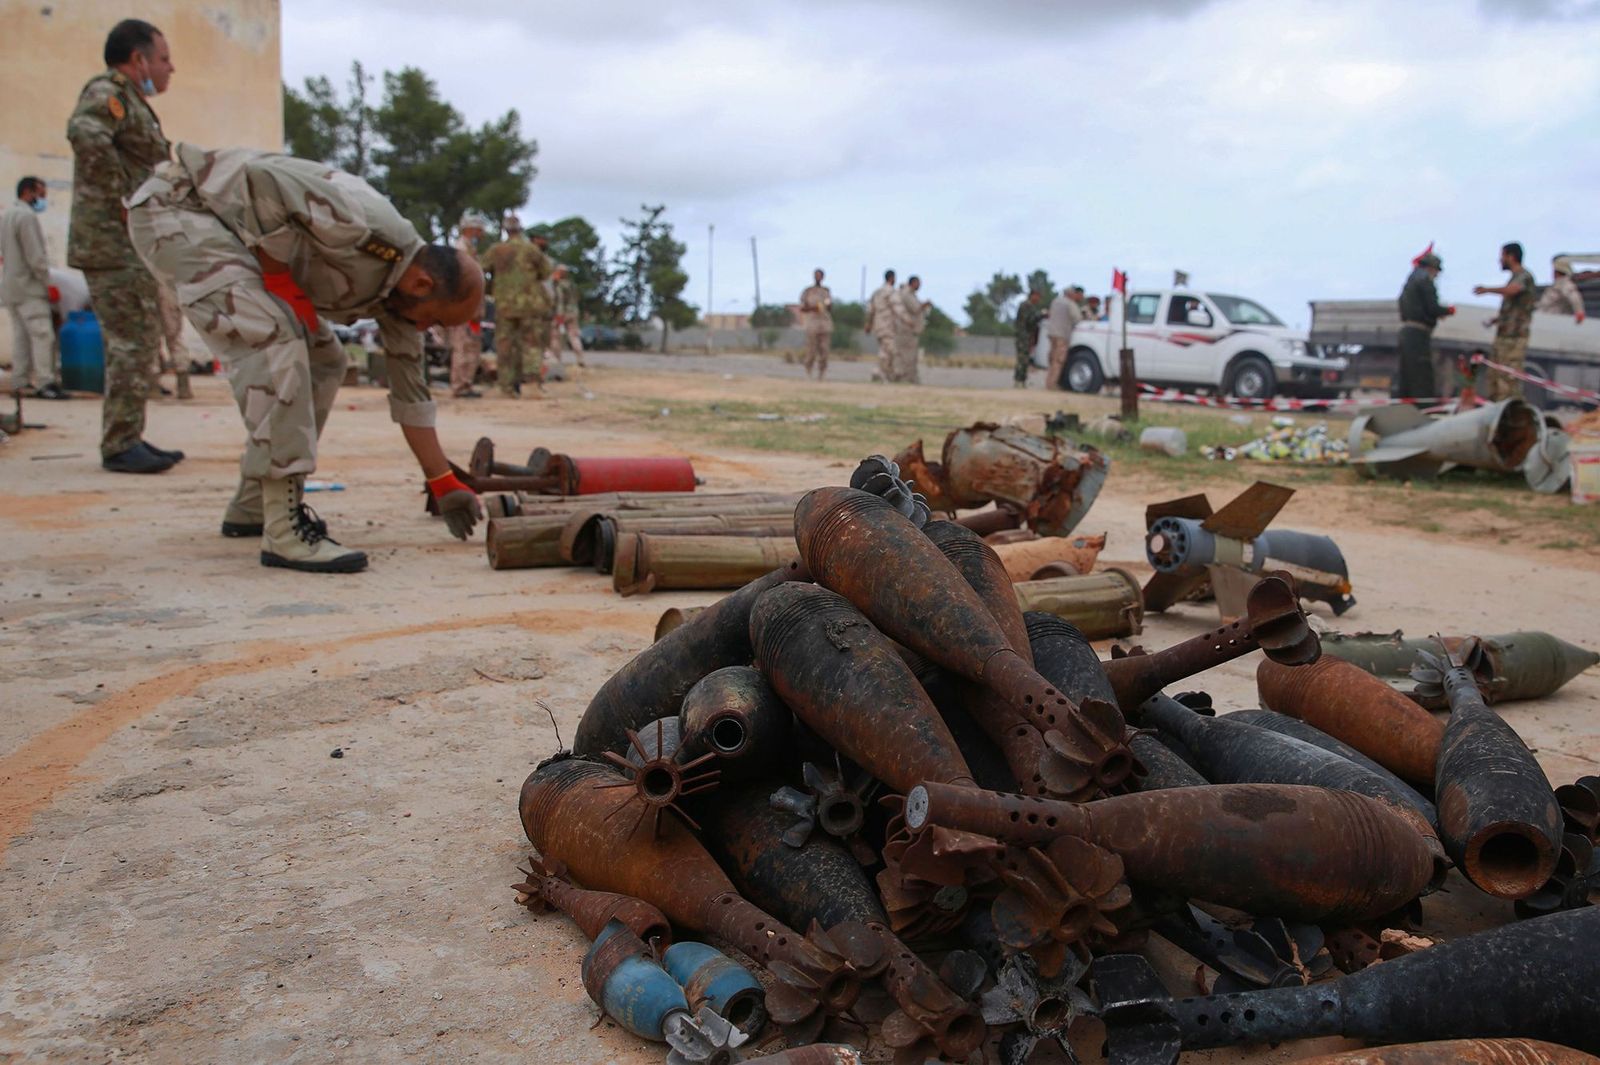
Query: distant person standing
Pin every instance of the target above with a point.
(911, 317)
(880, 323)
(1562, 297)
(1420, 311)
(466, 340)
(1026, 333)
(1065, 314)
(816, 318)
(116, 142)
(25, 292)
(1517, 298)
(567, 325)
(1091, 309)
(521, 305)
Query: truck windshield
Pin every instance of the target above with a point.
(1241, 311)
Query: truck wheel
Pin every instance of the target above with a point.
(1251, 378)
(1083, 373)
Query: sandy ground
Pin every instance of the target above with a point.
(187, 875)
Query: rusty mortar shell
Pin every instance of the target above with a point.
(1301, 730)
(734, 715)
(1461, 1052)
(1511, 666)
(1352, 705)
(571, 812)
(1062, 655)
(675, 617)
(1534, 979)
(1104, 605)
(661, 774)
(712, 980)
(1162, 768)
(643, 563)
(859, 547)
(654, 683)
(545, 887)
(1274, 623)
(844, 680)
(1497, 812)
(524, 543)
(1279, 850)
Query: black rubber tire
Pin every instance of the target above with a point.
(1249, 366)
(1093, 378)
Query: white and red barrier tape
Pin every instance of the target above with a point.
(1535, 379)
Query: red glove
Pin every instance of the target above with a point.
(282, 286)
(55, 294)
(458, 504)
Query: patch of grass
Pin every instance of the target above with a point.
(845, 430)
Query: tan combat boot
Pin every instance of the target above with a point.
(294, 538)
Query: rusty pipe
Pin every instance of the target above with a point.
(545, 887)
(642, 562)
(1268, 849)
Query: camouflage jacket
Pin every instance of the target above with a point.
(1516, 312)
(1026, 330)
(880, 311)
(520, 270)
(909, 313)
(116, 142)
(815, 302)
(566, 302)
(1562, 297)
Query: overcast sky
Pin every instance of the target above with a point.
(1282, 149)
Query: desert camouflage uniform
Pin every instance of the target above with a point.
(1511, 335)
(1026, 335)
(910, 316)
(197, 222)
(880, 323)
(817, 322)
(25, 292)
(566, 324)
(466, 341)
(175, 354)
(521, 308)
(1562, 297)
(116, 142)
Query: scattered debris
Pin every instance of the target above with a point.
(1508, 436)
(1164, 440)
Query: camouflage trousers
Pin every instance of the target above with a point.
(176, 357)
(816, 357)
(125, 303)
(564, 336)
(905, 369)
(1512, 352)
(518, 341)
(885, 355)
(466, 350)
(33, 345)
(284, 376)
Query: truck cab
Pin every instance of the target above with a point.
(1200, 340)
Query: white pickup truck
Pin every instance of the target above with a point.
(1201, 340)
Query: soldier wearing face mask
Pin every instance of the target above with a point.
(116, 143)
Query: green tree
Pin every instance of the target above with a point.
(1039, 281)
(356, 146)
(771, 316)
(1002, 289)
(650, 275)
(981, 317)
(939, 334)
(848, 320)
(313, 121)
(575, 244)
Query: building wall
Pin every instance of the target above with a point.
(226, 90)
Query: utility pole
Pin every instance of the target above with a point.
(755, 264)
(711, 235)
(863, 282)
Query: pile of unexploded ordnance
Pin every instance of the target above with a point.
(867, 808)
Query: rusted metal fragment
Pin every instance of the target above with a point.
(1461, 1052)
(834, 800)
(927, 477)
(643, 563)
(1053, 481)
(930, 877)
(654, 683)
(1060, 555)
(734, 715)
(1511, 666)
(1041, 1008)
(1580, 807)
(1060, 899)
(1352, 705)
(1576, 878)
(545, 887)
(660, 775)
(1265, 952)
(1101, 605)
(1269, 849)
(1274, 624)
(1497, 813)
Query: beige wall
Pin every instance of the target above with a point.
(226, 90)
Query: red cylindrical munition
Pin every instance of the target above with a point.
(572, 814)
(1461, 1052)
(1279, 850)
(592, 476)
(1350, 704)
(844, 680)
(859, 546)
(654, 683)
(546, 888)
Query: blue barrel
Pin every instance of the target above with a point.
(83, 353)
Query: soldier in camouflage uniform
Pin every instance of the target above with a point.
(521, 305)
(263, 252)
(1517, 298)
(880, 324)
(816, 304)
(116, 141)
(1563, 296)
(565, 325)
(466, 341)
(1026, 333)
(910, 318)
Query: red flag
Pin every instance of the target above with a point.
(1119, 281)
(1425, 251)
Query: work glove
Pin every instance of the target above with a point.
(457, 504)
(282, 285)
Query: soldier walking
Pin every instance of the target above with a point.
(816, 318)
(1420, 311)
(466, 340)
(25, 292)
(264, 252)
(1517, 298)
(880, 324)
(911, 317)
(565, 326)
(1026, 333)
(521, 306)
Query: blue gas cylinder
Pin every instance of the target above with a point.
(83, 353)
